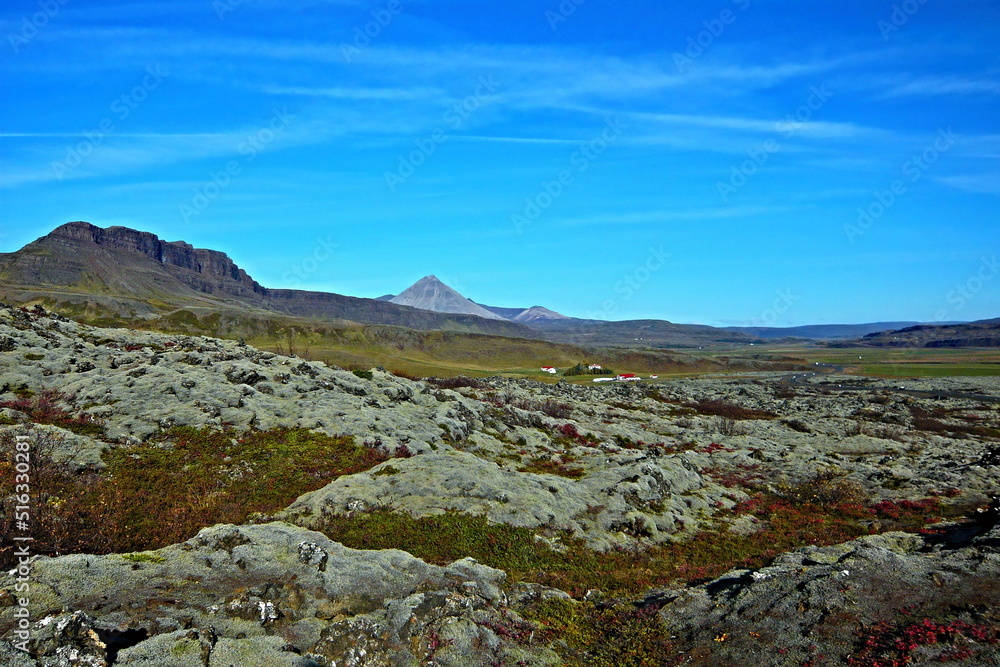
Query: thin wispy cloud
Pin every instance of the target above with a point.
(945, 86)
(988, 183)
(358, 94)
(396, 139)
(695, 215)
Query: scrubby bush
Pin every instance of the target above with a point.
(582, 369)
(827, 488)
(719, 408)
(50, 407)
(728, 426)
(458, 382)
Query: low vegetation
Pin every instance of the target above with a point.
(726, 410)
(822, 511)
(605, 631)
(53, 408)
(164, 490)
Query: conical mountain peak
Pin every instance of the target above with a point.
(429, 293)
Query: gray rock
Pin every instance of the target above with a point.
(434, 483)
(231, 591)
(820, 600)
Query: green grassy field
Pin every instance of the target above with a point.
(905, 362)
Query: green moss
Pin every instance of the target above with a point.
(144, 558)
(31, 356)
(185, 646)
(617, 635)
(543, 465)
(386, 470)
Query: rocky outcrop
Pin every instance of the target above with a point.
(891, 599)
(271, 594)
(611, 505)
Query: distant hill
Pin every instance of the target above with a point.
(430, 293)
(984, 333)
(84, 270)
(118, 275)
(506, 313)
(637, 333)
(537, 314)
(822, 331)
(526, 315)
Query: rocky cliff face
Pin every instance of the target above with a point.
(175, 253)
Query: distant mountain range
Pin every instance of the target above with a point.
(984, 333)
(432, 294)
(822, 331)
(115, 274)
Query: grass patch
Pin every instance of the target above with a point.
(165, 490)
(931, 422)
(616, 633)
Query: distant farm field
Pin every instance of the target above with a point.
(906, 362)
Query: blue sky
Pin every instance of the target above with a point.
(769, 162)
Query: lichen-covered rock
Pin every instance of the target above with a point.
(274, 591)
(616, 499)
(820, 604)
